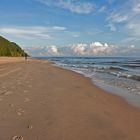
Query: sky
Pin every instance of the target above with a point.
(73, 27)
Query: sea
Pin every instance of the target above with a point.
(117, 75)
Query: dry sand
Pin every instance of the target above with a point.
(41, 102)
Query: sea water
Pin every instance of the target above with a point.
(118, 75)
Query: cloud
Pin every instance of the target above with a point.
(135, 5)
(130, 50)
(30, 32)
(112, 27)
(76, 35)
(83, 49)
(133, 28)
(58, 28)
(34, 50)
(52, 50)
(131, 40)
(127, 18)
(79, 49)
(117, 17)
(75, 6)
(97, 48)
(102, 9)
(92, 49)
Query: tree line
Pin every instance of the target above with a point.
(8, 48)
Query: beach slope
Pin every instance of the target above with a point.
(39, 101)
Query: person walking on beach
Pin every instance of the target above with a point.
(26, 56)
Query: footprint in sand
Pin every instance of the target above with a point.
(30, 127)
(20, 111)
(27, 100)
(4, 92)
(25, 91)
(17, 138)
(11, 105)
(8, 93)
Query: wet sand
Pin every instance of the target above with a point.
(41, 102)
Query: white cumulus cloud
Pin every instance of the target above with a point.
(98, 48)
(83, 49)
(53, 50)
(79, 49)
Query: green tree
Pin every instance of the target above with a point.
(8, 48)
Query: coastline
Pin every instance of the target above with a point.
(127, 96)
(71, 107)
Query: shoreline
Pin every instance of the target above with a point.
(8, 60)
(128, 97)
(71, 107)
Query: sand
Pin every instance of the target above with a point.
(41, 102)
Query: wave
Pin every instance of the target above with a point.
(131, 65)
(128, 76)
(117, 68)
(134, 77)
(137, 61)
(125, 68)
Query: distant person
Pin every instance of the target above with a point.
(26, 56)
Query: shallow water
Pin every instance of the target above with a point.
(119, 75)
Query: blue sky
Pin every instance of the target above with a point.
(82, 27)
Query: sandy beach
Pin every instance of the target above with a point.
(39, 101)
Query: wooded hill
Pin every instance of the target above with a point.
(8, 48)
